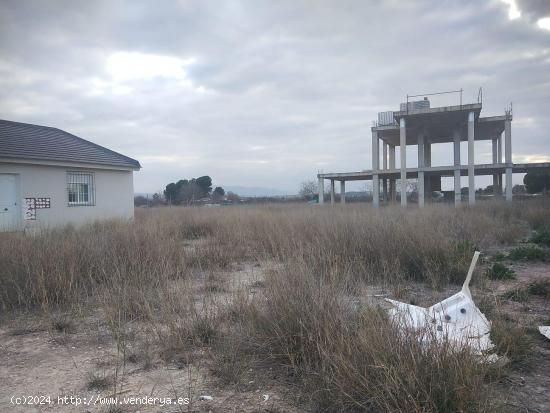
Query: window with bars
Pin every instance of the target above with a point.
(80, 188)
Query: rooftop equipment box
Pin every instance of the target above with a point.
(415, 105)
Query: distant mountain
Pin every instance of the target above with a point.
(254, 191)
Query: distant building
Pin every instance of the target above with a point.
(49, 177)
(418, 124)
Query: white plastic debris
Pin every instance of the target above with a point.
(455, 319)
(207, 398)
(266, 397)
(545, 331)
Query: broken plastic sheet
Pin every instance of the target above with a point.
(545, 331)
(456, 319)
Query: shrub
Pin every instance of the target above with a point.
(542, 236)
(517, 294)
(528, 253)
(353, 358)
(98, 381)
(70, 266)
(63, 324)
(307, 318)
(500, 271)
(537, 288)
(511, 340)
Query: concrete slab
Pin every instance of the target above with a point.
(480, 169)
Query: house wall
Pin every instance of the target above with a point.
(114, 194)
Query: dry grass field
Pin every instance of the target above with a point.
(275, 309)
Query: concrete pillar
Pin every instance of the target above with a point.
(403, 152)
(332, 195)
(471, 177)
(420, 188)
(391, 157)
(375, 168)
(421, 181)
(375, 151)
(427, 163)
(435, 182)
(385, 167)
(321, 190)
(508, 157)
(499, 149)
(421, 151)
(499, 160)
(391, 161)
(342, 192)
(495, 162)
(456, 152)
(375, 191)
(427, 152)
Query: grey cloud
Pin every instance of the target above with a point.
(291, 87)
(534, 9)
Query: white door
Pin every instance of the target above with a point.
(9, 216)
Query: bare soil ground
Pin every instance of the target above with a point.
(528, 388)
(39, 359)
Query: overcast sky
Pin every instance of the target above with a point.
(267, 93)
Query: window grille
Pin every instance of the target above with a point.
(80, 188)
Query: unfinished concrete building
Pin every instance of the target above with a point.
(416, 123)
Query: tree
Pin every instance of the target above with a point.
(233, 197)
(537, 181)
(171, 193)
(189, 192)
(186, 191)
(519, 189)
(204, 184)
(488, 190)
(140, 200)
(308, 190)
(218, 193)
(158, 199)
(181, 183)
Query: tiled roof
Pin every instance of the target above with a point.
(27, 141)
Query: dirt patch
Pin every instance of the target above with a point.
(526, 390)
(37, 360)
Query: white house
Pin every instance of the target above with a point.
(49, 177)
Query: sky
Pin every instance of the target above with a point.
(268, 93)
